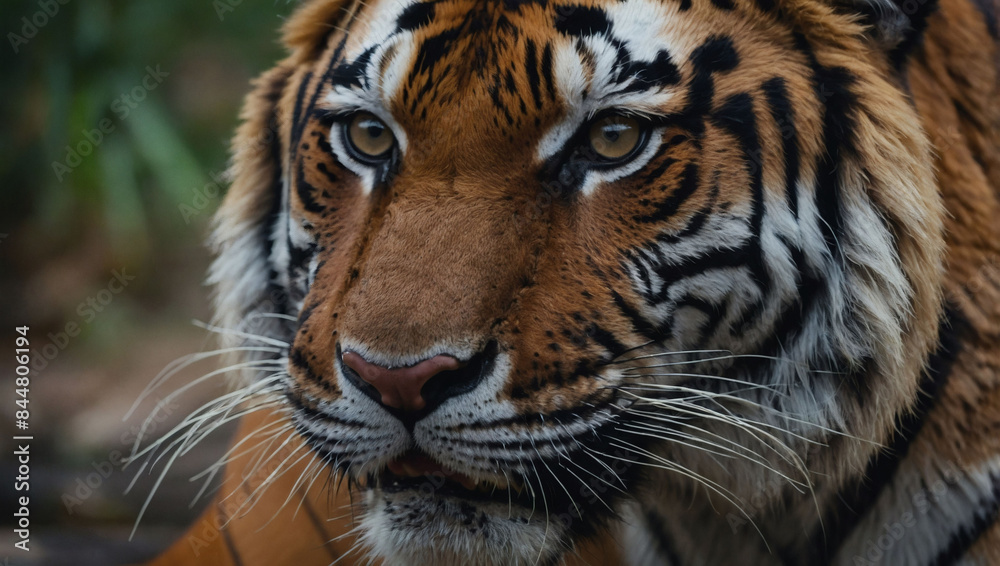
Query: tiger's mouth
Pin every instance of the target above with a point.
(417, 471)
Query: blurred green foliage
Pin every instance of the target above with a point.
(73, 67)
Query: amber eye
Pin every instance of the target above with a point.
(615, 137)
(368, 136)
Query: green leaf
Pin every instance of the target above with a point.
(124, 217)
(176, 170)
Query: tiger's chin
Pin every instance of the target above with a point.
(442, 521)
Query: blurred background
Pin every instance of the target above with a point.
(116, 119)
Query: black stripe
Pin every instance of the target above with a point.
(509, 83)
(330, 176)
(497, 99)
(716, 259)
(660, 169)
(323, 135)
(716, 55)
(305, 191)
(299, 259)
(531, 68)
(415, 16)
(432, 50)
(515, 5)
(299, 120)
(638, 258)
(228, 538)
(966, 536)
(638, 322)
(607, 340)
(350, 74)
(266, 235)
(306, 312)
(832, 89)
(660, 72)
(736, 115)
(694, 225)
(809, 288)
(310, 414)
(663, 539)
(547, 71)
(988, 8)
(784, 118)
(713, 314)
(914, 34)
(581, 414)
(318, 525)
(265, 232)
(696, 222)
(857, 500)
(298, 359)
(668, 207)
(581, 21)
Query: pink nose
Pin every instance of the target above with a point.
(400, 387)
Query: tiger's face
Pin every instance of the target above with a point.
(545, 258)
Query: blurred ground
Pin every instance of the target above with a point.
(116, 123)
(80, 514)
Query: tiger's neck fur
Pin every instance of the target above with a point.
(932, 495)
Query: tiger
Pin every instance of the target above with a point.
(682, 282)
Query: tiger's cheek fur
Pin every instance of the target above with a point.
(715, 187)
(783, 219)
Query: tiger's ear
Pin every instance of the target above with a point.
(897, 26)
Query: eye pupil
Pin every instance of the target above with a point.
(375, 129)
(368, 136)
(615, 138)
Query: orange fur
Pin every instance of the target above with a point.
(946, 146)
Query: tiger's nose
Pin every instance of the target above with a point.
(400, 388)
(419, 388)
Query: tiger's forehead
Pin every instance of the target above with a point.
(632, 22)
(530, 64)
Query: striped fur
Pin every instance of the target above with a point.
(770, 336)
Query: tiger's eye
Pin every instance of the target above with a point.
(615, 137)
(369, 136)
